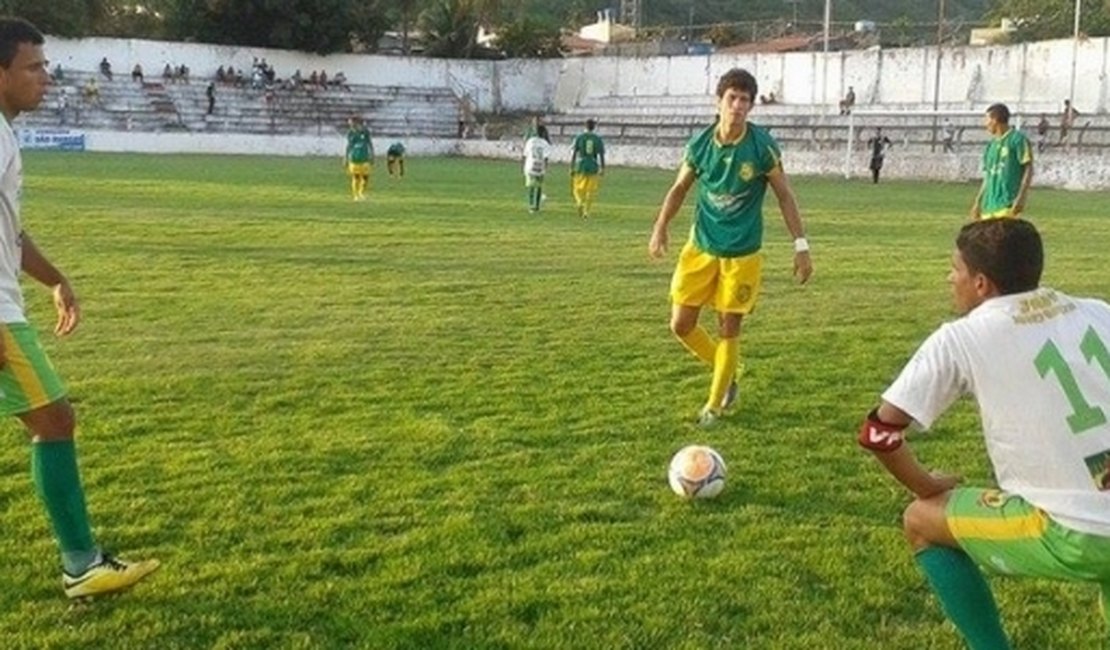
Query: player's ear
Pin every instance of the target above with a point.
(984, 286)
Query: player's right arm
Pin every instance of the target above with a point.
(657, 246)
(882, 434)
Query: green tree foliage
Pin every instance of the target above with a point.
(1045, 19)
(321, 26)
(529, 38)
(59, 17)
(450, 28)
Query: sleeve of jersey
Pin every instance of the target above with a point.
(931, 381)
(771, 157)
(1026, 151)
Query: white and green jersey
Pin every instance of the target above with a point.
(1038, 365)
(536, 152)
(11, 231)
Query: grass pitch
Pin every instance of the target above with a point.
(432, 420)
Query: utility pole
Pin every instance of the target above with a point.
(936, 80)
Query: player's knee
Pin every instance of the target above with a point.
(681, 326)
(920, 522)
(56, 421)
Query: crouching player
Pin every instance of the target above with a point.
(1037, 363)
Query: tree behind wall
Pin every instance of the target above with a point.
(58, 17)
(320, 26)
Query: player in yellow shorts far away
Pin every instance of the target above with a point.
(30, 389)
(359, 158)
(587, 165)
(1007, 168)
(730, 163)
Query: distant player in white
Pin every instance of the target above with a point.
(537, 149)
(1037, 363)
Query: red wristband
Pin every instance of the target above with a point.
(879, 436)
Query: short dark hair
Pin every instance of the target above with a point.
(1008, 251)
(1000, 113)
(591, 124)
(739, 79)
(541, 131)
(14, 31)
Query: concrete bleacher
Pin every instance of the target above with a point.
(671, 120)
(126, 105)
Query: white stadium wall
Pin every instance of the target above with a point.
(1031, 77)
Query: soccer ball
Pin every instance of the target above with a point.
(697, 472)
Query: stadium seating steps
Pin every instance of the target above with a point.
(671, 120)
(126, 105)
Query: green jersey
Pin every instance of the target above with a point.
(1004, 164)
(359, 148)
(588, 147)
(731, 183)
(396, 149)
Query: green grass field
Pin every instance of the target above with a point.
(434, 421)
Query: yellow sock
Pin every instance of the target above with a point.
(354, 186)
(700, 344)
(724, 369)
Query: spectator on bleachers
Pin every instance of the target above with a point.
(295, 81)
(257, 79)
(106, 68)
(323, 79)
(91, 92)
(137, 73)
(221, 76)
(769, 98)
(340, 81)
(1067, 120)
(210, 92)
(183, 73)
(167, 73)
(848, 102)
(949, 132)
(1042, 133)
(58, 75)
(314, 79)
(63, 105)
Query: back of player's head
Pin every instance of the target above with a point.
(999, 113)
(591, 124)
(1008, 251)
(14, 31)
(740, 79)
(541, 131)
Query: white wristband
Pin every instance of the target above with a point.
(801, 245)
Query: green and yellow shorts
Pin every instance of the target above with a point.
(27, 379)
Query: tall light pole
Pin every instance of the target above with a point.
(825, 73)
(936, 79)
(1074, 49)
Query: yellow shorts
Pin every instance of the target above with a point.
(729, 284)
(1004, 213)
(586, 184)
(359, 169)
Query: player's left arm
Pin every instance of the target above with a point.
(1026, 180)
(883, 434)
(788, 205)
(35, 264)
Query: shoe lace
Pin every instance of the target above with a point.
(112, 563)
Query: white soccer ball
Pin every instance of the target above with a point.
(697, 472)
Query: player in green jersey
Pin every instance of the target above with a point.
(1007, 168)
(587, 164)
(395, 160)
(359, 158)
(730, 164)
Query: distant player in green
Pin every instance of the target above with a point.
(1007, 168)
(358, 160)
(731, 163)
(587, 164)
(395, 160)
